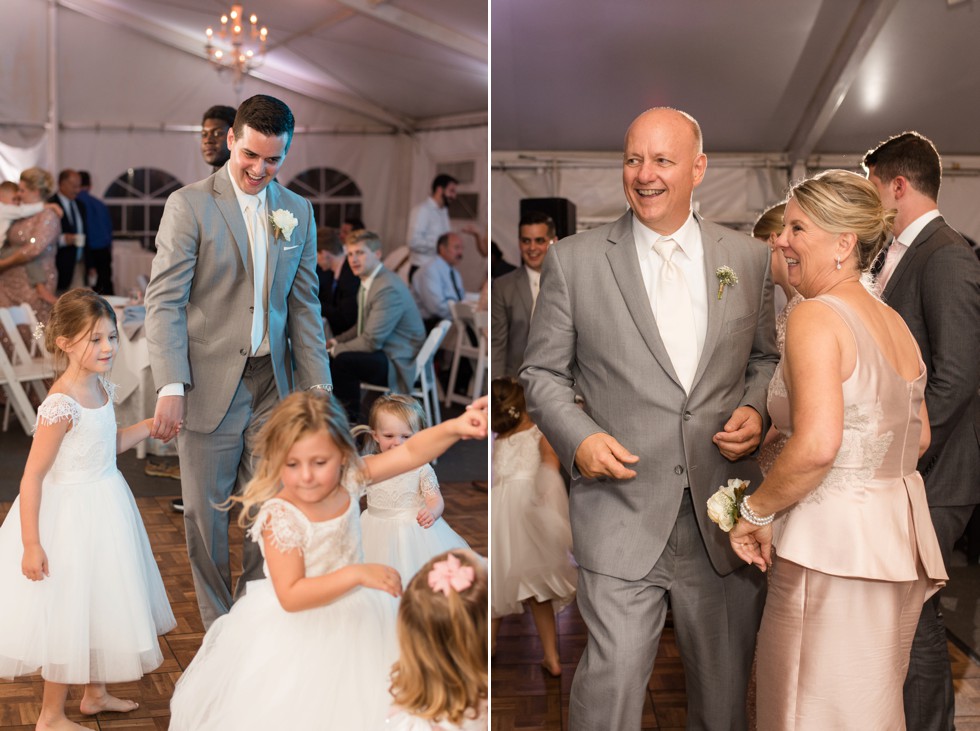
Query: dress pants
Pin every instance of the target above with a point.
(66, 261)
(715, 619)
(212, 468)
(101, 261)
(349, 370)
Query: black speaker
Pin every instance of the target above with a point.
(561, 210)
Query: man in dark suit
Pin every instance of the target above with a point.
(929, 275)
(338, 283)
(382, 345)
(514, 295)
(72, 238)
(98, 237)
(675, 404)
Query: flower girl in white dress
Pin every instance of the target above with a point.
(440, 680)
(82, 599)
(403, 525)
(310, 646)
(530, 531)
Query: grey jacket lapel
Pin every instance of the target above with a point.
(524, 293)
(275, 242)
(227, 201)
(906, 261)
(717, 253)
(626, 269)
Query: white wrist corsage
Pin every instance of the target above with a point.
(726, 278)
(283, 223)
(723, 506)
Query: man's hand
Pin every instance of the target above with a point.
(168, 417)
(600, 455)
(741, 434)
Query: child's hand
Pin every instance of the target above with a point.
(35, 563)
(383, 578)
(425, 518)
(473, 422)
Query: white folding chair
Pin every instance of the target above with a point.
(19, 369)
(425, 386)
(399, 261)
(465, 317)
(30, 319)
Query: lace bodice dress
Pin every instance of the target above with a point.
(97, 615)
(261, 667)
(392, 535)
(531, 535)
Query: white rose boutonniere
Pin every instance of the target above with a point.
(726, 278)
(724, 504)
(283, 223)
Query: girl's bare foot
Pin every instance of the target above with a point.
(59, 723)
(92, 704)
(552, 667)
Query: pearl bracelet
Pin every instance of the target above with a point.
(745, 511)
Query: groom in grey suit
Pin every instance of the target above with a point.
(931, 277)
(233, 325)
(660, 431)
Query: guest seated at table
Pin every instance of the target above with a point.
(338, 285)
(381, 347)
(32, 242)
(437, 283)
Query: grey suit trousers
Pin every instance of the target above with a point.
(715, 617)
(212, 468)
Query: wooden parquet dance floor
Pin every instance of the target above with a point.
(20, 700)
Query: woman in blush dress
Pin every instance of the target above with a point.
(843, 507)
(33, 239)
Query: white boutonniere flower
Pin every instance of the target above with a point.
(726, 278)
(283, 223)
(723, 505)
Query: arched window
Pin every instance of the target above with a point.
(334, 196)
(135, 200)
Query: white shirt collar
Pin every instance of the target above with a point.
(533, 277)
(687, 237)
(915, 228)
(245, 199)
(366, 283)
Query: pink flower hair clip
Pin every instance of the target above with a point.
(450, 574)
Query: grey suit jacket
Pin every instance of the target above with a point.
(593, 327)
(199, 300)
(393, 325)
(510, 313)
(936, 289)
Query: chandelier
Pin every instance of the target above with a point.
(240, 59)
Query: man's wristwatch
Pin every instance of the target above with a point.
(328, 387)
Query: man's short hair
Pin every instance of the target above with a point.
(442, 181)
(368, 238)
(221, 112)
(266, 115)
(443, 241)
(910, 155)
(65, 174)
(535, 218)
(328, 239)
(85, 178)
(356, 224)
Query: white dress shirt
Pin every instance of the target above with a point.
(534, 280)
(428, 222)
(901, 245)
(434, 286)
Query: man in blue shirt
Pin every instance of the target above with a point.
(98, 238)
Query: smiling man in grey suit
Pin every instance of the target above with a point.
(233, 325)
(675, 398)
(930, 276)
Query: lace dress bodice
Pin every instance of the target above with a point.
(517, 456)
(88, 451)
(326, 545)
(403, 493)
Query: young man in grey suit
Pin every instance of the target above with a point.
(233, 325)
(389, 333)
(930, 276)
(675, 402)
(514, 294)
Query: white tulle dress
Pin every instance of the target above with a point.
(531, 534)
(401, 720)
(261, 667)
(392, 535)
(96, 616)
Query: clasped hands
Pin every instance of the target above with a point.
(601, 455)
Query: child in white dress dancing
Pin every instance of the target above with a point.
(82, 598)
(531, 534)
(310, 646)
(440, 680)
(403, 525)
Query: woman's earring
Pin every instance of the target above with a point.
(838, 262)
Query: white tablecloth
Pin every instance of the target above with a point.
(129, 261)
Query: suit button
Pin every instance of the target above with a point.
(687, 415)
(252, 308)
(678, 470)
(243, 351)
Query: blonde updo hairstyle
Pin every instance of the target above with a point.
(441, 673)
(769, 223)
(507, 405)
(75, 315)
(39, 180)
(839, 201)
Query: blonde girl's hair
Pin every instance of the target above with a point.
(441, 673)
(769, 223)
(507, 405)
(839, 201)
(398, 405)
(295, 417)
(74, 315)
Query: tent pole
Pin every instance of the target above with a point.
(53, 132)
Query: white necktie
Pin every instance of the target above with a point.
(675, 315)
(892, 257)
(257, 240)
